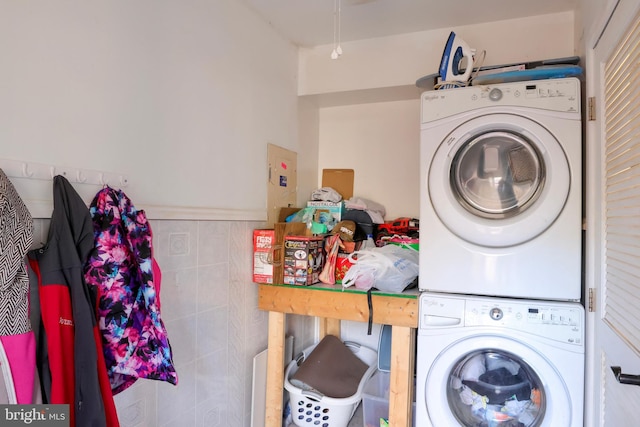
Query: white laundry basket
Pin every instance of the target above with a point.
(313, 409)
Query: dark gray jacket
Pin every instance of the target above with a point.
(67, 316)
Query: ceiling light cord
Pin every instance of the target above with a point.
(339, 48)
(337, 12)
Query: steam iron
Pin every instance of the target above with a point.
(455, 51)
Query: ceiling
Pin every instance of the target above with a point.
(310, 23)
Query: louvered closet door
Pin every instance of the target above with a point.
(613, 215)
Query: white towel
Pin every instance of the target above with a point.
(375, 210)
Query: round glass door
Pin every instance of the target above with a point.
(498, 180)
(497, 174)
(492, 387)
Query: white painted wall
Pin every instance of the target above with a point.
(381, 140)
(401, 60)
(182, 97)
(308, 140)
(590, 21)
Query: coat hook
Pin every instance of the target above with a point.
(25, 170)
(124, 181)
(102, 180)
(79, 177)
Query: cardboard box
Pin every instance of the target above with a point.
(264, 245)
(282, 231)
(340, 180)
(327, 213)
(303, 260)
(268, 253)
(286, 213)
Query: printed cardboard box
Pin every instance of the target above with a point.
(264, 246)
(284, 229)
(268, 252)
(303, 260)
(328, 213)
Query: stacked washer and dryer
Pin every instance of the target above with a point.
(501, 329)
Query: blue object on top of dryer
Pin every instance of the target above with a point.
(501, 190)
(429, 81)
(455, 52)
(544, 72)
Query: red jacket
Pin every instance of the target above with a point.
(68, 349)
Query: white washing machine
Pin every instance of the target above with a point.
(501, 190)
(488, 362)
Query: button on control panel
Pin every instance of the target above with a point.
(495, 94)
(496, 313)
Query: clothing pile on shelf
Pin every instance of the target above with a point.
(80, 320)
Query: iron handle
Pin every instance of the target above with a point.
(625, 378)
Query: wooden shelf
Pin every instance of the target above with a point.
(333, 304)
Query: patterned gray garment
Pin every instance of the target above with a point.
(16, 236)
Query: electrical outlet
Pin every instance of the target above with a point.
(178, 244)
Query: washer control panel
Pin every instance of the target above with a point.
(560, 321)
(558, 95)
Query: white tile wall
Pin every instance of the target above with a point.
(208, 305)
(209, 308)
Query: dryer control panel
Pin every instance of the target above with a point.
(557, 95)
(559, 321)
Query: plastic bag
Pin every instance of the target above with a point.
(389, 268)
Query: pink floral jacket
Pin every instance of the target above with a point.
(121, 268)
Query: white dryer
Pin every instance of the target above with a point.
(501, 190)
(486, 361)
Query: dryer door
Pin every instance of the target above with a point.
(489, 380)
(499, 180)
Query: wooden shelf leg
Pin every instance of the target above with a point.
(329, 326)
(401, 385)
(275, 370)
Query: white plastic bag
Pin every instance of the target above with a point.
(389, 268)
